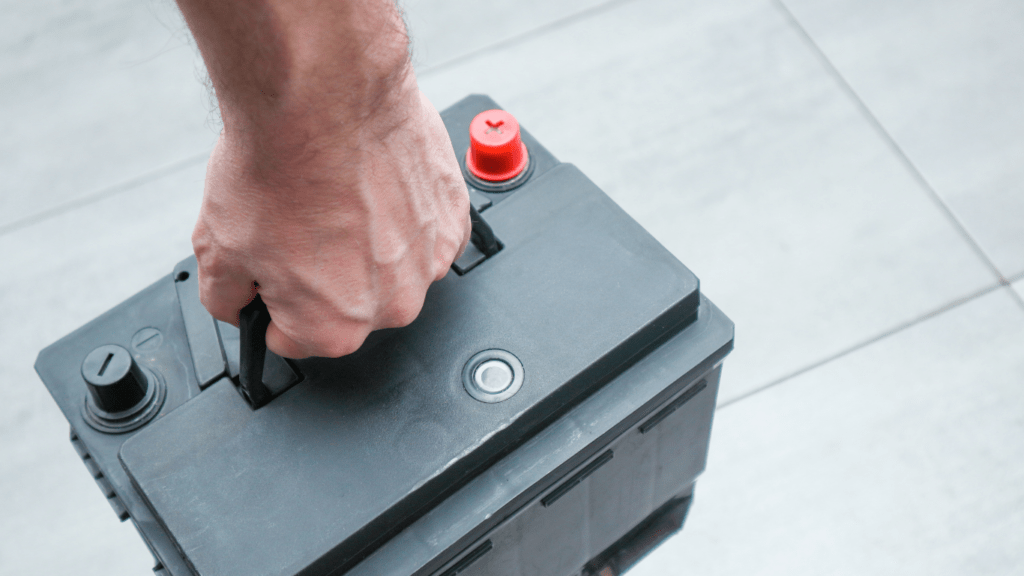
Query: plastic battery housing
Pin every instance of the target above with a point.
(381, 463)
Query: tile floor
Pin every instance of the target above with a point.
(844, 177)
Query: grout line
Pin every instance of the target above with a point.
(929, 190)
(1014, 295)
(102, 193)
(524, 36)
(865, 343)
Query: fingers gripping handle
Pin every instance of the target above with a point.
(252, 350)
(254, 319)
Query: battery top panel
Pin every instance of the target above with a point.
(331, 468)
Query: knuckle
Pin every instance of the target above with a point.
(404, 310)
(444, 264)
(208, 297)
(210, 261)
(203, 243)
(222, 295)
(339, 347)
(341, 340)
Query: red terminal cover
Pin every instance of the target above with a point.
(496, 151)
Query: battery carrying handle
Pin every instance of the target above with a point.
(482, 235)
(252, 351)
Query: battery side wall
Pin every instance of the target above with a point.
(646, 470)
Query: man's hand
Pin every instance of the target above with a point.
(333, 186)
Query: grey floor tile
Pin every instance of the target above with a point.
(93, 94)
(718, 129)
(58, 275)
(903, 458)
(443, 30)
(946, 80)
(1019, 287)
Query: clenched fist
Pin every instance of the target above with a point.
(333, 189)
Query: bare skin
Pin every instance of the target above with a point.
(333, 186)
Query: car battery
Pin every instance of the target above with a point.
(547, 413)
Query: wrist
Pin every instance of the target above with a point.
(293, 73)
(292, 153)
(321, 95)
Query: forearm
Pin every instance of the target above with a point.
(294, 77)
